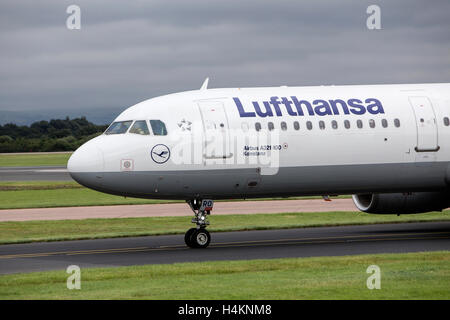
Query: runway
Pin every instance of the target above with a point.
(51, 173)
(268, 244)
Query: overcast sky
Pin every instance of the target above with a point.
(129, 51)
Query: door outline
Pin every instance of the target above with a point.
(426, 127)
(215, 103)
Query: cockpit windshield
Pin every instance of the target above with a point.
(140, 127)
(158, 127)
(118, 127)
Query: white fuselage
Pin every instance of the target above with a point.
(278, 141)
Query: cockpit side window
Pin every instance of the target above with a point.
(140, 127)
(118, 127)
(158, 127)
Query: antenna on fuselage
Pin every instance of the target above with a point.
(205, 84)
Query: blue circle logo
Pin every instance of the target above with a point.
(160, 153)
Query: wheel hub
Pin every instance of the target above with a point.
(202, 239)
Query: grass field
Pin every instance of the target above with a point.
(403, 276)
(34, 159)
(61, 197)
(50, 194)
(29, 231)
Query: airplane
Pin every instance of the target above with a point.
(386, 145)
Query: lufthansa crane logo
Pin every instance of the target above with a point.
(160, 153)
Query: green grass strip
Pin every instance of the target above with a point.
(60, 197)
(57, 230)
(403, 276)
(48, 194)
(34, 159)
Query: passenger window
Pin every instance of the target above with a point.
(118, 127)
(334, 124)
(347, 124)
(296, 125)
(321, 125)
(384, 123)
(447, 121)
(257, 126)
(359, 124)
(270, 126)
(140, 127)
(309, 125)
(397, 123)
(158, 128)
(372, 123)
(283, 126)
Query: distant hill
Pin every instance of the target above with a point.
(26, 118)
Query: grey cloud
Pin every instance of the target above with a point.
(129, 51)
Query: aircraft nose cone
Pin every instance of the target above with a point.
(86, 165)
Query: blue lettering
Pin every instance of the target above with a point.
(288, 105)
(356, 103)
(318, 107)
(376, 106)
(242, 113)
(268, 112)
(276, 104)
(323, 108)
(298, 106)
(342, 103)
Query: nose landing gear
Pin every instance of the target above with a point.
(199, 237)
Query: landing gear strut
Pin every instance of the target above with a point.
(199, 237)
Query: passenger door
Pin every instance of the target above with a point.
(427, 134)
(216, 130)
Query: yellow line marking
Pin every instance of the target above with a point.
(26, 255)
(122, 251)
(316, 238)
(266, 244)
(326, 241)
(337, 237)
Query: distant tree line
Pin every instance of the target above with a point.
(46, 136)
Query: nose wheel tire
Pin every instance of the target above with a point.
(197, 238)
(187, 236)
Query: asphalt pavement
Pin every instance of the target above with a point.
(50, 173)
(265, 244)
